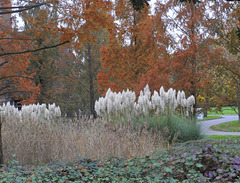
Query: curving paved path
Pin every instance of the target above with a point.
(226, 118)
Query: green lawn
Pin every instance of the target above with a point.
(225, 111)
(232, 126)
(209, 118)
(221, 136)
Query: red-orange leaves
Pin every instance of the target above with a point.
(132, 50)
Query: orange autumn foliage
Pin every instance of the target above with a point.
(131, 52)
(15, 79)
(82, 17)
(84, 23)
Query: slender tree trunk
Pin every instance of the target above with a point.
(1, 148)
(238, 100)
(206, 107)
(91, 81)
(195, 105)
(193, 60)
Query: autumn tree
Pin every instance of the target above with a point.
(43, 30)
(130, 51)
(15, 81)
(222, 87)
(229, 42)
(64, 95)
(192, 29)
(15, 78)
(85, 23)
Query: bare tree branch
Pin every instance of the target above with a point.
(15, 7)
(21, 39)
(233, 72)
(227, 41)
(31, 51)
(4, 87)
(15, 76)
(18, 91)
(3, 63)
(22, 8)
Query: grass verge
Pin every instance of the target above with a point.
(232, 126)
(224, 111)
(209, 118)
(221, 136)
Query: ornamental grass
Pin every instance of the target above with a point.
(64, 139)
(38, 134)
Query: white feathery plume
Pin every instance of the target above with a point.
(124, 103)
(190, 103)
(58, 112)
(155, 100)
(30, 112)
(47, 114)
(179, 97)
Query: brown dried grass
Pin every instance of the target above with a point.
(65, 140)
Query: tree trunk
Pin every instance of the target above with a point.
(205, 114)
(195, 105)
(238, 100)
(238, 105)
(1, 148)
(206, 107)
(91, 81)
(193, 61)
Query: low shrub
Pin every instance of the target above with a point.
(173, 128)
